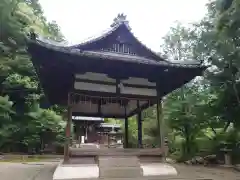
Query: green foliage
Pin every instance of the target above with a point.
(202, 117)
(132, 135)
(23, 125)
(201, 113)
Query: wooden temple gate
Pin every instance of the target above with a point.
(75, 99)
(110, 76)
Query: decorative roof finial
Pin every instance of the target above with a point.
(121, 18)
(32, 34)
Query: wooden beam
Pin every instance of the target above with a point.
(96, 82)
(139, 122)
(126, 129)
(99, 107)
(99, 94)
(160, 126)
(118, 80)
(95, 114)
(142, 107)
(68, 131)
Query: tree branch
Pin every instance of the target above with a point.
(226, 126)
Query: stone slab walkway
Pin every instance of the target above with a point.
(76, 171)
(45, 170)
(31, 171)
(158, 169)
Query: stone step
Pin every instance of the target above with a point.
(168, 177)
(82, 160)
(144, 178)
(150, 159)
(130, 161)
(120, 172)
(114, 152)
(157, 178)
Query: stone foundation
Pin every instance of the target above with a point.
(112, 163)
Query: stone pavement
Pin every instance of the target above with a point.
(44, 171)
(31, 171)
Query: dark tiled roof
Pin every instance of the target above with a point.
(95, 38)
(76, 49)
(109, 55)
(109, 32)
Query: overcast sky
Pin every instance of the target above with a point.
(150, 20)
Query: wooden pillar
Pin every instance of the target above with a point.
(108, 140)
(68, 132)
(126, 130)
(139, 122)
(160, 125)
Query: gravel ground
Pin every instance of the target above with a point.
(199, 172)
(29, 171)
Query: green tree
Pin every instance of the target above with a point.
(24, 125)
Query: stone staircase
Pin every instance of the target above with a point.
(128, 168)
(117, 164)
(118, 167)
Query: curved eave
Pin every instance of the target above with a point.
(111, 56)
(97, 38)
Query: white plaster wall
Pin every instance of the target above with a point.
(139, 91)
(112, 88)
(138, 81)
(95, 76)
(94, 87)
